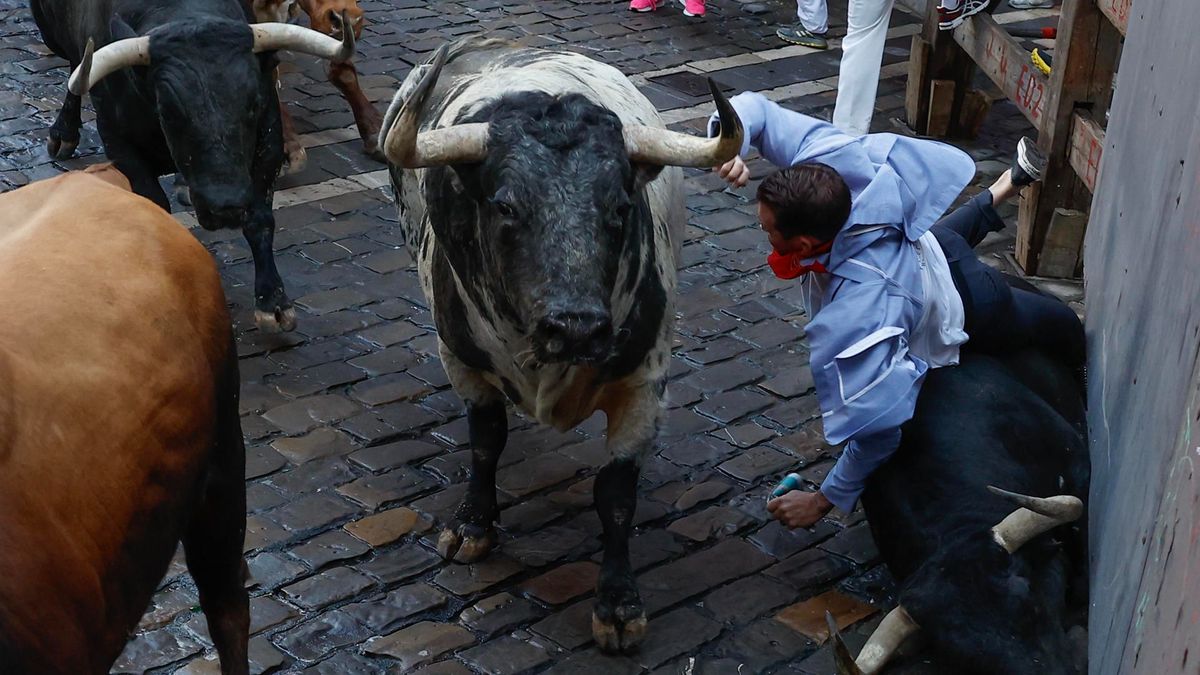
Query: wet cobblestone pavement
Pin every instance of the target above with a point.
(357, 446)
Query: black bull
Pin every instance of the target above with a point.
(184, 86)
(989, 602)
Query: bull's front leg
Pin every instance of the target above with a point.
(273, 311)
(471, 535)
(295, 156)
(64, 133)
(619, 618)
(366, 117)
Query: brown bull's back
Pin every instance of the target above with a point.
(113, 339)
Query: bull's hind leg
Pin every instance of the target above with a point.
(214, 537)
(618, 618)
(472, 532)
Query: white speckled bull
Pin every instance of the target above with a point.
(533, 193)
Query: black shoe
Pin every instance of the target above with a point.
(1030, 163)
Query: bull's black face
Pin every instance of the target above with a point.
(215, 109)
(989, 612)
(555, 202)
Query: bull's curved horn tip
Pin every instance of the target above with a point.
(78, 82)
(725, 111)
(348, 45)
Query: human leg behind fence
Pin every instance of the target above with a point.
(862, 58)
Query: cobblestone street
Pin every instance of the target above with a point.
(357, 447)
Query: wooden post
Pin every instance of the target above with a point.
(1084, 61)
(935, 56)
(941, 102)
(1064, 243)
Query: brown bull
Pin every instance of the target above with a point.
(325, 16)
(119, 430)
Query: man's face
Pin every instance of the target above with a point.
(802, 243)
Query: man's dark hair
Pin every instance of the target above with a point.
(807, 199)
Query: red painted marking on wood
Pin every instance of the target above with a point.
(1029, 93)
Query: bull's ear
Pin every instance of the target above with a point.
(643, 174)
(119, 29)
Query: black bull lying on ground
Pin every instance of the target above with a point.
(533, 194)
(184, 86)
(988, 586)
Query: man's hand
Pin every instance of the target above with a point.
(735, 171)
(799, 509)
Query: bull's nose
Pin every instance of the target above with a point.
(576, 334)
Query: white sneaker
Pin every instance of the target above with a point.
(1031, 4)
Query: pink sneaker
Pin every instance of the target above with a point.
(693, 8)
(643, 5)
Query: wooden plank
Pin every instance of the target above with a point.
(1086, 148)
(915, 104)
(1064, 238)
(976, 105)
(1082, 77)
(1117, 12)
(1004, 60)
(941, 102)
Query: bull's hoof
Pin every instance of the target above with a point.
(620, 632)
(59, 147)
(295, 160)
(279, 321)
(371, 149)
(466, 543)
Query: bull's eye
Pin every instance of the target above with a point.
(505, 209)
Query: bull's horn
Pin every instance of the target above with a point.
(1036, 515)
(459, 144)
(895, 628)
(272, 36)
(98, 64)
(654, 145)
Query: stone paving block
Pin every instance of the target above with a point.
(469, 579)
(323, 442)
(385, 613)
(267, 612)
(313, 639)
(312, 476)
(262, 532)
(270, 570)
(698, 450)
(757, 463)
(563, 583)
(311, 512)
(327, 587)
(595, 662)
(681, 631)
(547, 545)
(505, 655)
(791, 383)
(155, 649)
(854, 543)
(714, 521)
(390, 360)
(723, 377)
(778, 541)
(536, 474)
(700, 493)
(262, 461)
(445, 668)
(499, 613)
(730, 406)
(764, 644)
(388, 422)
(389, 389)
(166, 605)
(400, 563)
(300, 416)
(328, 547)
(420, 643)
(809, 569)
(570, 628)
(807, 444)
(746, 434)
(376, 490)
(316, 379)
(747, 599)
(391, 455)
(345, 663)
(808, 617)
(385, 527)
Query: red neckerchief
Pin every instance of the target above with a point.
(792, 265)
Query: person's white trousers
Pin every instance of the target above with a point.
(862, 57)
(813, 15)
